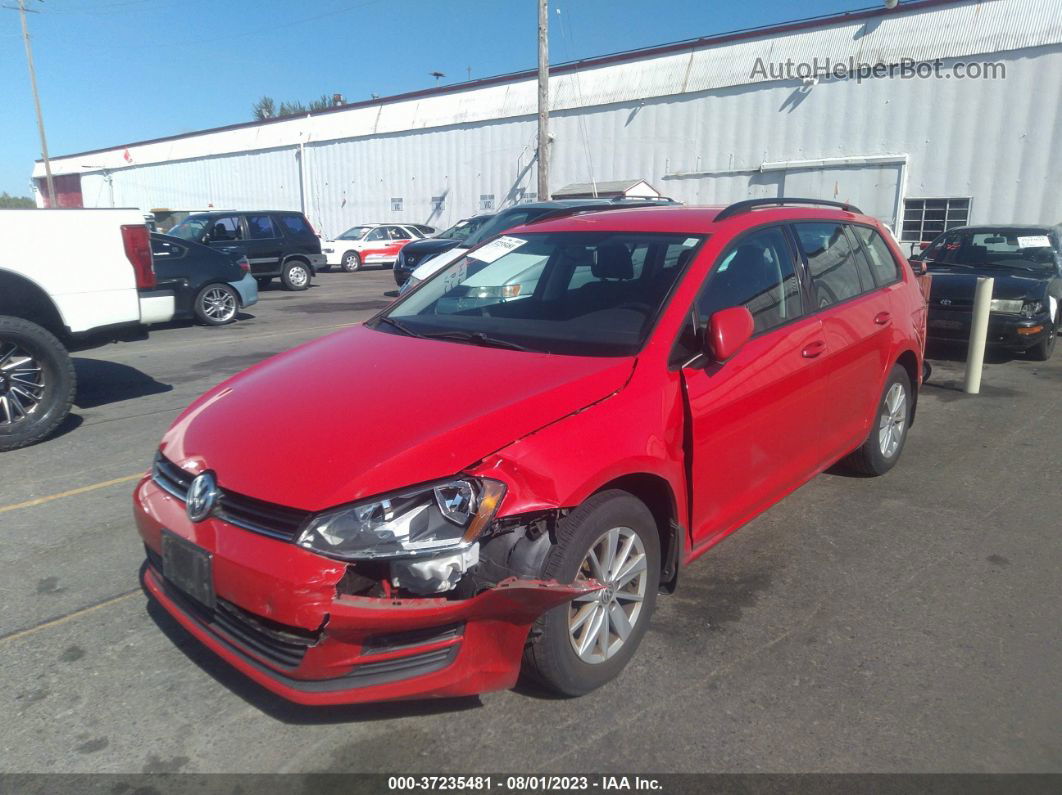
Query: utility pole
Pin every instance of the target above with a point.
(37, 103)
(543, 100)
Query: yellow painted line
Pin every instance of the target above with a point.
(76, 614)
(71, 493)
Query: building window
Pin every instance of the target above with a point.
(437, 203)
(486, 201)
(396, 205)
(924, 219)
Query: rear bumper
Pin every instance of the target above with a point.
(281, 621)
(156, 307)
(247, 288)
(1009, 332)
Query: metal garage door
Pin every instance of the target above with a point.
(873, 187)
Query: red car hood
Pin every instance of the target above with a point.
(362, 412)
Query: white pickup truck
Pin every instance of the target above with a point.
(66, 276)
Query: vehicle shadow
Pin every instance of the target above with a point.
(281, 709)
(100, 382)
(956, 352)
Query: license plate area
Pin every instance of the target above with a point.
(189, 568)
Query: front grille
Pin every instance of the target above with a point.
(283, 647)
(258, 516)
(379, 673)
(381, 644)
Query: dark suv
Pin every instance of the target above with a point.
(276, 242)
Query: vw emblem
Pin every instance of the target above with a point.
(202, 495)
(945, 302)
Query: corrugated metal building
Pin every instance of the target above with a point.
(707, 121)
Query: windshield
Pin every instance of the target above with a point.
(1000, 248)
(354, 233)
(463, 229)
(578, 293)
(191, 228)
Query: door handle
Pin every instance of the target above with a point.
(813, 349)
(883, 318)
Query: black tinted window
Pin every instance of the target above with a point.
(882, 263)
(756, 273)
(833, 262)
(259, 227)
(296, 225)
(227, 228)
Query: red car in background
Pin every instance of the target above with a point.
(612, 395)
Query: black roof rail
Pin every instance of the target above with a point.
(749, 204)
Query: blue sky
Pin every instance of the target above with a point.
(115, 71)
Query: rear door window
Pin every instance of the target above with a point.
(836, 268)
(226, 228)
(882, 262)
(260, 227)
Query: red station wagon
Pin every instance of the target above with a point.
(612, 395)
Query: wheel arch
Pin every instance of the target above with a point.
(298, 258)
(659, 498)
(909, 361)
(24, 298)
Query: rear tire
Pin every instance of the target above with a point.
(295, 276)
(217, 305)
(37, 383)
(351, 262)
(888, 432)
(610, 520)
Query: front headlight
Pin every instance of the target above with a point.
(1032, 308)
(1006, 306)
(424, 520)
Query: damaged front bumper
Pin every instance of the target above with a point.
(279, 616)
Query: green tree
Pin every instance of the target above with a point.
(264, 108)
(8, 202)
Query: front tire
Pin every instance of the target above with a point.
(1041, 351)
(216, 305)
(37, 383)
(579, 646)
(888, 433)
(295, 276)
(351, 262)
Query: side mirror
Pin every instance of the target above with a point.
(919, 266)
(728, 330)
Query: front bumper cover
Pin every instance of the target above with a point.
(281, 622)
(951, 325)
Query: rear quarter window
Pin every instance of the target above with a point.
(296, 225)
(882, 262)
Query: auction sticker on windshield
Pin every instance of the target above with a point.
(1033, 241)
(497, 249)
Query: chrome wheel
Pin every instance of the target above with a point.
(21, 383)
(893, 420)
(600, 622)
(219, 304)
(298, 276)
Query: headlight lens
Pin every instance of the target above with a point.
(421, 521)
(1007, 306)
(1032, 308)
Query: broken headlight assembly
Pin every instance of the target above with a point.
(419, 522)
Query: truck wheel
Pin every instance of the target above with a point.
(37, 382)
(295, 276)
(579, 646)
(216, 305)
(351, 262)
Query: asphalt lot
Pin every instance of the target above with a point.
(906, 623)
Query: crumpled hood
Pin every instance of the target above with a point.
(362, 412)
(958, 284)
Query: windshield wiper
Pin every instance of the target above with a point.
(398, 324)
(477, 337)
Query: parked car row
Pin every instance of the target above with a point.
(615, 390)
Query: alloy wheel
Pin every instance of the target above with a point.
(893, 420)
(600, 622)
(219, 304)
(22, 383)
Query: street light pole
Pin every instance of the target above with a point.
(37, 103)
(543, 100)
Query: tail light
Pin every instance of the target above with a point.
(245, 264)
(137, 242)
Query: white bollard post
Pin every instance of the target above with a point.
(975, 356)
